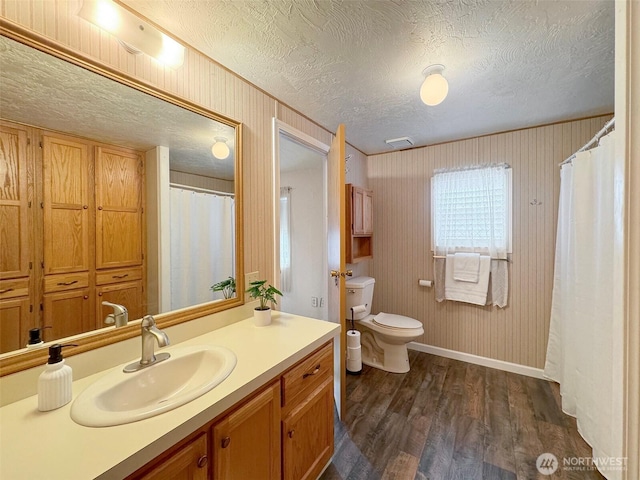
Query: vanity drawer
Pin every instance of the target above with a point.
(65, 281)
(302, 379)
(14, 288)
(104, 277)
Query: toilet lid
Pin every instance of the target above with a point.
(390, 320)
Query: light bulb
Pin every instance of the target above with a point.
(220, 150)
(434, 89)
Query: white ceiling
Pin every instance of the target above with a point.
(510, 64)
(42, 90)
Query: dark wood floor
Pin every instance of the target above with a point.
(447, 419)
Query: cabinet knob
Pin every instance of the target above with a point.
(226, 441)
(202, 461)
(291, 432)
(86, 297)
(100, 294)
(99, 208)
(85, 207)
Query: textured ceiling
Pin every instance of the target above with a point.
(41, 90)
(510, 64)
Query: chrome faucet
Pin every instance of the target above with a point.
(120, 315)
(150, 335)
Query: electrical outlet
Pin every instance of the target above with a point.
(314, 301)
(250, 277)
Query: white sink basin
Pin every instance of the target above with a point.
(120, 397)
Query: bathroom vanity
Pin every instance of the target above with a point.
(271, 418)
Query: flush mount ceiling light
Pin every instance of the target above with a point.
(133, 33)
(220, 149)
(435, 87)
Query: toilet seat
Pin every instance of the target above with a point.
(395, 322)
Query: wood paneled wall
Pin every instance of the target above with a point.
(201, 81)
(401, 254)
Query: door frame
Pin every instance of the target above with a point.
(281, 128)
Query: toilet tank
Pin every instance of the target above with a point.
(359, 292)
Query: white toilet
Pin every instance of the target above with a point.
(384, 336)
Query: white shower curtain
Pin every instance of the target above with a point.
(580, 353)
(202, 245)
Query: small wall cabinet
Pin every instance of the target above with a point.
(359, 223)
(282, 431)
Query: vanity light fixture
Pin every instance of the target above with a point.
(435, 87)
(220, 149)
(134, 34)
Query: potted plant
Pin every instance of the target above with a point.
(227, 287)
(266, 294)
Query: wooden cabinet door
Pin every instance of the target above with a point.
(68, 313)
(307, 435)
(358, 210)
(119, 208)
(367, 213)
(189, 462)
(128, 294)
(246, 443)
(14, 204)
(362, 204)
(67, 194)
(15, 322)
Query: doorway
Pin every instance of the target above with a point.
(300, 174)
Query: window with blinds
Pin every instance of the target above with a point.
(471, 209)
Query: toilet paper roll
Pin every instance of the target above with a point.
(425, 283)
(359, 309)
(353, 338)
(354, 359)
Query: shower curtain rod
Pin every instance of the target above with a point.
(200, 190)
(492, 258)
(595, 139)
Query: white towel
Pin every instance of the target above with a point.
(475, 293)
(466, 267)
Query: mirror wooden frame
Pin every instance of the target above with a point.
(23, 359)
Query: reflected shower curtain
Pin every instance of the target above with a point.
(202, 245)
(581, 353)
(285, 239)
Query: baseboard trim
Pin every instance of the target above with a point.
(478, 360)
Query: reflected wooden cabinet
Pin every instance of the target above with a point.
(246, 443)
(71, 222)
(17, 282)
(15, 253)
(359, 223)
(118, 208)
(67, 312)
(15, 321)
(66, 204)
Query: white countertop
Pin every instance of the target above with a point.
(49, 445)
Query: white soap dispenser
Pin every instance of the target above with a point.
(54, 384)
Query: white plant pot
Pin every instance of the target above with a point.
(261, 318)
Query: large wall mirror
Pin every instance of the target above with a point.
(110, 192)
